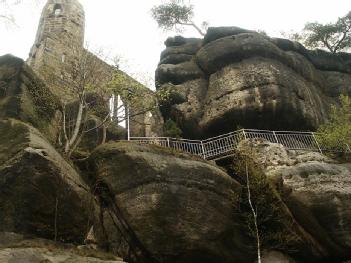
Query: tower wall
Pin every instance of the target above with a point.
(60, 33)
(59, 43)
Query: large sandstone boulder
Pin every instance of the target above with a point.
(40, 193)
(327, 61)
(336, 83)
(259, 93)
(176, 208)
(178, 73)
(317, 191)
(179, 45)
(253, 81)
(179, 76)
(15, 248)
(25, 97)
(276, 257)
(184, 105)
(214, 33)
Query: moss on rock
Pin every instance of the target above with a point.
(25, 97)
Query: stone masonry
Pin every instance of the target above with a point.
(59, 40)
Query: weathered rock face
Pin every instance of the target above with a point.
(40, 193)
(15, 248)
(250, 80)
(257, 91)
(177, 209)
(276, 257)
(180, 75)
(317, 191)
(185, 104)
(25, 97)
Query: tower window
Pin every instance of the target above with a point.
(57, 9)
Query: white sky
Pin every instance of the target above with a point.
(127, 29)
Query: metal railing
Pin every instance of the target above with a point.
(225, 144)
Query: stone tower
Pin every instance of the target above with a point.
(59, 43)
(61, 27)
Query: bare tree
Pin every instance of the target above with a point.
(6, 11)
(262, 206)
(6, 15)
(254, 214)
(86, 84)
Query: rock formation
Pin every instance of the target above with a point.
(42, 195)
(146, 203)
(16, 248)
(316, 189)
(178, 209)
(240, 78)
(25, 97)
(150, 204)
(32, 169)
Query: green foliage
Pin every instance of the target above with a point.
(173, 14)
(336, 133)
(293, 36)
(46, 103)
(170, 14)
(277, 229)
(333, 36)
(126, 87)
(262, 32)
(134, 93)
(171, 129)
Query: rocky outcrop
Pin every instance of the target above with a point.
(251, 81)
(184, 104)
(25, 97)
(317, 191)
(179, 74)
(15, 248)
(276, 257)
(261, 94)
(40, 193)
(178, 208)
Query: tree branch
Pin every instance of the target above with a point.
(193, 25)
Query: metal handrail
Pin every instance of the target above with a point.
(224, 144)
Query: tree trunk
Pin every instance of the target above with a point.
(254, 213)
(77, 128)
(115, 107)
(104, 132)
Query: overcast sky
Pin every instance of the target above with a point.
(126, 28)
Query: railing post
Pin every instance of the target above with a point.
(203, 150)
(319, 148)
(275, 137)
(168, 144)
